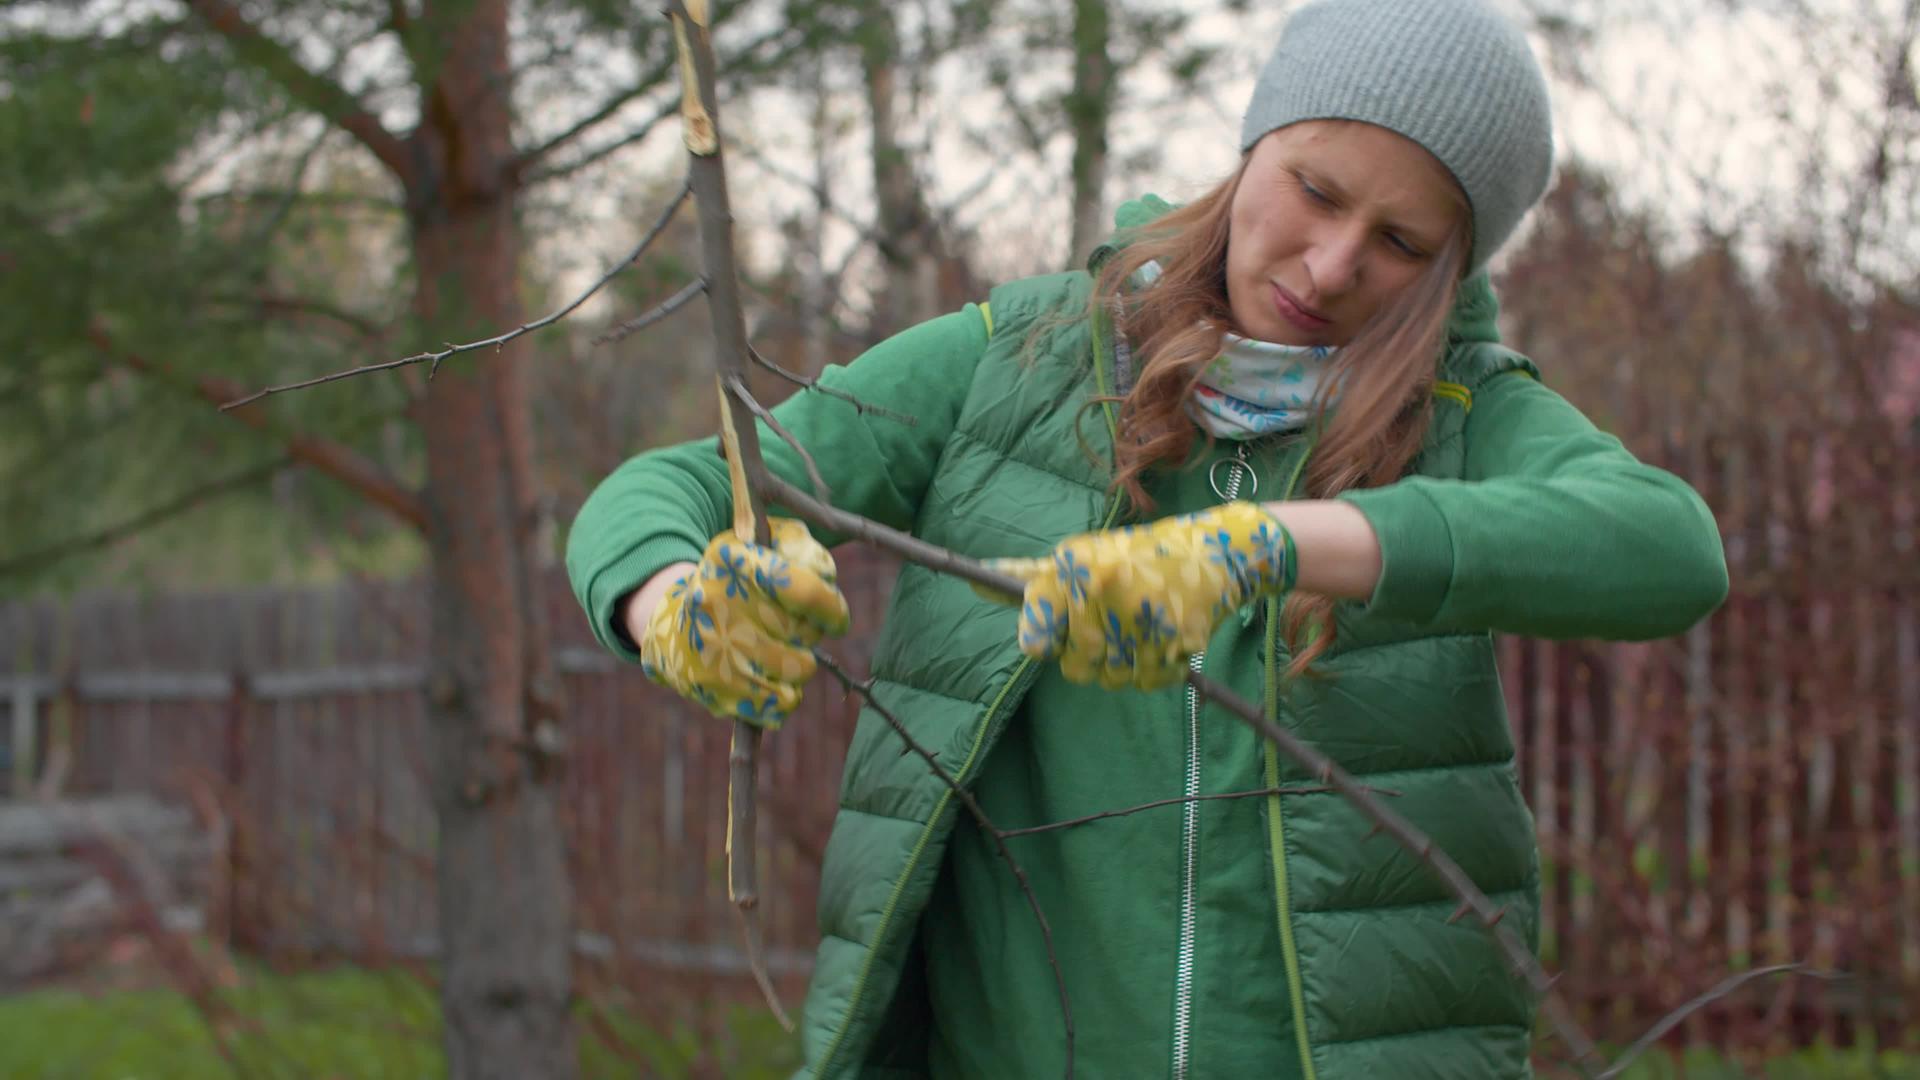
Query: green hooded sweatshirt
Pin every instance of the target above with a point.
(1258, 935)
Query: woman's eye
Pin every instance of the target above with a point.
(1314, 193)
(1404, 248)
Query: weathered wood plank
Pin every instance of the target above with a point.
(30, 829)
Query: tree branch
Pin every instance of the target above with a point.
(276, 196)
(179, 504)
(865, 690)
(307, 87)
(868, 232)
(405, 27)
(1413, 841)
(1181, 801)
(647, 318)
(834, 519)
(809, 383)
(649, 80)
(738, 388)
(281, 304)
(736, 66)
(707, 175)
(239, 398)
(1725, 987)
(325, 456)
(600, 153)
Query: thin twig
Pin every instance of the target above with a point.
(660, 73)
(1317, 764)
(434, 358)
(809, 383)
(667, 307)
(272, 303)
(743, 766)
(738, 388)
(330, 457)
(866, 230)
(637, 133)
(1416, 843)
(832, 518)
(1725, 987)
(865, 690)
(316, 91)
(1102, 816)
(179, 504)
(667, 110)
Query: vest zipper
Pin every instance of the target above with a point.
(1014, 689)
(1189, 845)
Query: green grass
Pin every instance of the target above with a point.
(355, 1024)
(349, 1024)
(345, 1023)
(1815, 1063)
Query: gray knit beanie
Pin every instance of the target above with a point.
(1454, 76)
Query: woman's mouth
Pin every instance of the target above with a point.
(1298, 315)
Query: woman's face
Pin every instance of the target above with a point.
(1332, 220)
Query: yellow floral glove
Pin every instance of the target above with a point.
(1126, 607)
(737, 633)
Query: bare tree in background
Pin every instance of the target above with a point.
(909, 241)
(435, 95)
(1089, 110)
(1797, 188)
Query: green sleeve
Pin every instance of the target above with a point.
(662, 506)
(1556, 530)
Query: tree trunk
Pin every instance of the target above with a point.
(909, 242)
(505, 901)
(1089, 106)
(815, 327)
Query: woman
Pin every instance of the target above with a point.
(1272, 435)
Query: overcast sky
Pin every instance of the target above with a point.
(1704, 113)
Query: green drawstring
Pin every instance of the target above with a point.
(1251, 610)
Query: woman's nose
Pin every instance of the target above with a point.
(1334, 261)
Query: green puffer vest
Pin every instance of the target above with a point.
(1387, 985)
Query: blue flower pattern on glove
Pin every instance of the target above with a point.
(736, 635)
(1151, 624)
(1126, 607)
(765, 711)
(774, 578)
(696, 618)
(1073, 575)
(1122, 647)
(732, 569)
(1041, 626)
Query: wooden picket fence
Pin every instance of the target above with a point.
(1744, 795)
(1747, 794)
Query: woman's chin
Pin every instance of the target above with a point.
(1275, 332)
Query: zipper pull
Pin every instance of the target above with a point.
(1239, 468)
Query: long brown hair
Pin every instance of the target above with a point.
(1385, 374)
